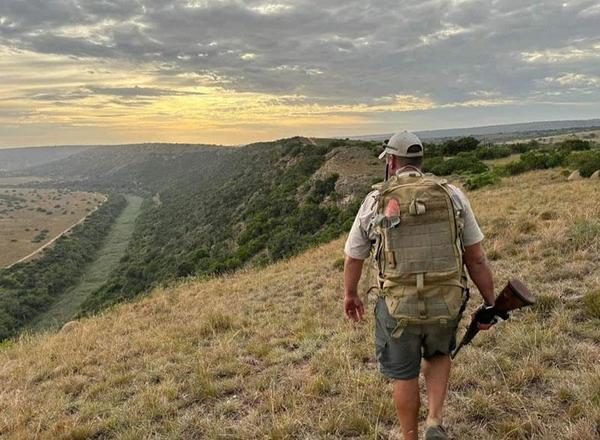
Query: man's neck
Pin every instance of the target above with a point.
(406, 168)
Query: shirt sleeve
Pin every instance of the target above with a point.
(358, 243)
(472, 232)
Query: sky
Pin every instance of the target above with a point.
(238, 71)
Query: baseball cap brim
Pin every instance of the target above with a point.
(389, 150)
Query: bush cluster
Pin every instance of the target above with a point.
(467, 154)
(536, 160)
(451, 147)
(573, 153)
(463, 163)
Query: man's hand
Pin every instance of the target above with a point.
(478, 314)
(353, 307)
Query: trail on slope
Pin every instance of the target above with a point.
(97, 272)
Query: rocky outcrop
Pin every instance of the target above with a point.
(357, 168)
(574, 176)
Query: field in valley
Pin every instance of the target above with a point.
(30, 217)
(266, 353)
(590, 135)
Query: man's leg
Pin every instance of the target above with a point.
(400, 360)
(436, 370)
(407, 402)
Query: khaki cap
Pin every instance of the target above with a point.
(399, 144)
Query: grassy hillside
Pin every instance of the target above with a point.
(266, 353)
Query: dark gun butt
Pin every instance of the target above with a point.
(514, 296)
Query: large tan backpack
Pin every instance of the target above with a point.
(419, 252)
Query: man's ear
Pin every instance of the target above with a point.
(392, 163)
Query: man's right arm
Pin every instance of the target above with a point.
(357, 249)
(353, 306)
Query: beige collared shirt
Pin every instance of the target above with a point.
(362, 236)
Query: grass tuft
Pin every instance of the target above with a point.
(216, 322)
(338, 264)
(545, 304)
(592, 304)
(585, 232)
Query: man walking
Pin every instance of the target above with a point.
(423, 234)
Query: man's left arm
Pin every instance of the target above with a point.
(474, 255)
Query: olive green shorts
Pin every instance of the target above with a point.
(400, 358)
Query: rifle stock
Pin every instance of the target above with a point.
(514, 296)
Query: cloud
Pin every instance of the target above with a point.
(360, 49)
(568, 54)
(91, 91)
(576, 80)
(137, 91)
(334, 54)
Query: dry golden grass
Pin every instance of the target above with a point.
(34, 210)
(267, 354)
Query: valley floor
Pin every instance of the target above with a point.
(98, 271)
(267, 353)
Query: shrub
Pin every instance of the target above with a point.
(430, 164)
(433, 150)
(462, 145)
(522, 147)
(575, 145)
(322, 188)
(480, 180)
(585, 161)
(492, 152)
